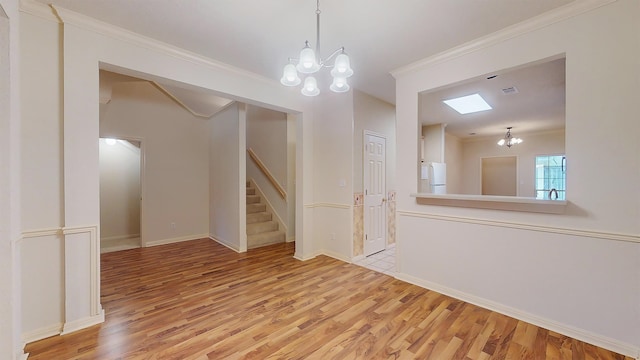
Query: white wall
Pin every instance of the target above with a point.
(10, 300)
(267, 136)
(370, 113)
(41, 174)
(333, 173)
(119, 190)
(176, 178)
(227, 166)
(576, 273)
(534, 144)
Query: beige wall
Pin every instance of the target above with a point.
(267, 136)
(119, 190)
(375, 115)
(433, 143)
(227, 170)
(10, 298)
(582, 283)
(333, 173)
(455, 163)
(176, 178)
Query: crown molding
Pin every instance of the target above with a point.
(38, 9)
(88, 23)
(568, 11)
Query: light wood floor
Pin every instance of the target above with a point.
(199, 300)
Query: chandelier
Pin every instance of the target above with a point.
(310, 62)
(508, 139)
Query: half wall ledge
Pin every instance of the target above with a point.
(509, 203)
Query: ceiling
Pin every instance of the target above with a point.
(379, 35)
(537, 105)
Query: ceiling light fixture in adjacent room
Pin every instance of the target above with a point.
(468, 104)
(508, 139)
(310, 62)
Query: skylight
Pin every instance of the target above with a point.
(468, 104)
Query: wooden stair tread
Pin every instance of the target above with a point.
(261, 229)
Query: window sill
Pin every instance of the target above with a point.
(510, 203)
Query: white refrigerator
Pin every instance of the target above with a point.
(437, 178)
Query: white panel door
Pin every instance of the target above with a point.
(375, 202)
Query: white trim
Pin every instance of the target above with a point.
(229, 246)
(336, 256)
(355, 259)
(523, 226)
(88, 23)
(579, 334)
(176, 240)
(94, 263)
(570, 10)
(119, 237)
(304, 258)
(42, 333)
(84, 323)
(28, 234)
(38, 9)
(327, 205)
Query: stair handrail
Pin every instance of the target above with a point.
(267, 173)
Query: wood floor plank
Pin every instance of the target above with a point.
(198, 300)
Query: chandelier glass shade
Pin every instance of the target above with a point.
(509, 140)
(309, 62)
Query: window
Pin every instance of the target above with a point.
(550, 175)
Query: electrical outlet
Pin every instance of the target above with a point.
(333, 236)
(173, 226)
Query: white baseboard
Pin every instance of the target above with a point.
(229, 246)
(83, 323)
(579, 334)
(176, 240)
(302, 257)
(42, 333)
(336, 256)
(355, 259)
(291, 239)
(119, 237)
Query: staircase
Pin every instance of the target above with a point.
(261, 229)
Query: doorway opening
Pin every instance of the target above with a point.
(375, 199)
(120, 194)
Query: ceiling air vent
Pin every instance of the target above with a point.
(510, 90)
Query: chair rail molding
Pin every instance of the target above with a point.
(634, 238)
